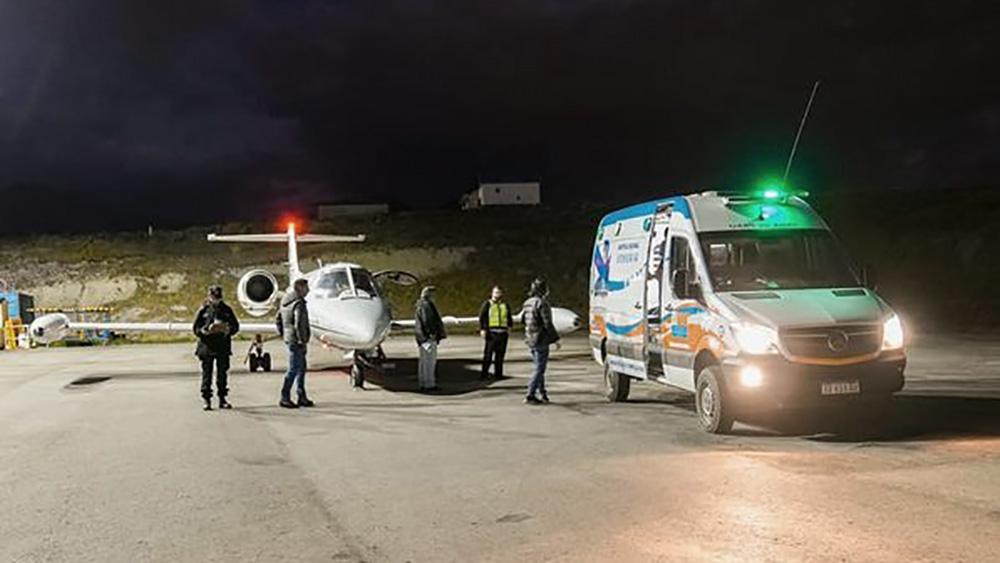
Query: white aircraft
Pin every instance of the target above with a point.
(347, 306)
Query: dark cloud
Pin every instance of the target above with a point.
(251, 105)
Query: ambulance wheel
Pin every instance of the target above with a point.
(715, 414)
(616, 385)
(265, 362)
(254, 364)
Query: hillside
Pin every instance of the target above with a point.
(933, 253)
(165, 276)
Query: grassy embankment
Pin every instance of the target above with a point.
(463, 254)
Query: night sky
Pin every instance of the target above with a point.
(115, 113)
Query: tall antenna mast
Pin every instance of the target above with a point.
(802, 125)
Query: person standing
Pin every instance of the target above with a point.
(539, 334)
(495, 322)
(214, 325)
(430, 332)
(293, 325)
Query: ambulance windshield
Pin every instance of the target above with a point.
(778, 259)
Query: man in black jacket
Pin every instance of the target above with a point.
(495, 322)
(214, 325)
(539, 334)
(429, 330)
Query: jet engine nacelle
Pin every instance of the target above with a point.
(49, 328)
(564, 320)
(257, 292)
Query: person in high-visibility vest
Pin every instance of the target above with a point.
(495, 322)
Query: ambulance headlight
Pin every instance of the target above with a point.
(892, 333)
(755, 339)
(751, 376)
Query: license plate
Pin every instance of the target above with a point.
(840, 388)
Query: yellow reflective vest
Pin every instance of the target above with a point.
(498, 315)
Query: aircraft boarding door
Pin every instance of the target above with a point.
(654, 290)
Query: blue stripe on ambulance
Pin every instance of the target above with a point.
(622, 329)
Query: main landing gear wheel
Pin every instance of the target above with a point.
(260, 362)
(616, 385)
(714, 411)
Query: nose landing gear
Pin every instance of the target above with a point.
(366, 361)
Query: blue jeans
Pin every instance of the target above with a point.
(296, 371)
(539, 359)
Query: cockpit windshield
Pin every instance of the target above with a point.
(363, 284)
(336, 283)
(781, 259)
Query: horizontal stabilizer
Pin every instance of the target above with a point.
(282, 237)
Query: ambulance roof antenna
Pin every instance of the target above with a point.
(802, 124)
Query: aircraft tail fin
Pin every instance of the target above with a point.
(292, 239)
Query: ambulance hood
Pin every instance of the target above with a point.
(789, 308)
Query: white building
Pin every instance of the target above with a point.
(503, 193)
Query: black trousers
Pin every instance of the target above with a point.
(221, 375)
(494, 350)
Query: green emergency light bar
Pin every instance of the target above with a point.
(776, 191)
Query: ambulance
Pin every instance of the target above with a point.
(746, 300)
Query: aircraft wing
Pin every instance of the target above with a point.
(163, 327)
(565, 321)
(55, 326)
(448, 320)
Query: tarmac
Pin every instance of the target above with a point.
(106, 455)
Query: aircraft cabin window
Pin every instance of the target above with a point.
(336, 282)
(363, 284)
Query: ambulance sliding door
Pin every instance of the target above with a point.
(624, 294)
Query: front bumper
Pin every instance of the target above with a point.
(787, 385)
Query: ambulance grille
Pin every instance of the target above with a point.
(832, 342)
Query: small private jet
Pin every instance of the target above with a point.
(348, 308)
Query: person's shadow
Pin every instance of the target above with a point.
(454, 376)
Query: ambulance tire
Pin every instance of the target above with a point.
(265, 362)
(715, 414)
(616, 385)
(253, 363)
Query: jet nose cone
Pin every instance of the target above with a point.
(365, 327)
(362, 333)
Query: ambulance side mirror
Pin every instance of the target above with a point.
(678, 283)
(684, 287)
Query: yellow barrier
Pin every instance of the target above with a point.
(11, 329)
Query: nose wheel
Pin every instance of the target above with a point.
(358, 375)
(363, 361)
